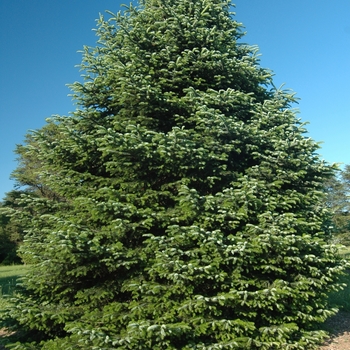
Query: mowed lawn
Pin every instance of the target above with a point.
(9, 276)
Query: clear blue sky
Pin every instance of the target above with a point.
(306, 44)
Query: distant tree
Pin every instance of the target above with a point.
(27, 175)
(15, 217)
(10, 232)
(338, 202)
(188, 209)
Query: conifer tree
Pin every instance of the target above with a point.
(10, 234)
(337, 200)
(13, 208)
(189, 210)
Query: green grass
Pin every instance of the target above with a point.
(345, 252)
(341, 299)
(9, 276)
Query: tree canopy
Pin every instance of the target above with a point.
(188, 210)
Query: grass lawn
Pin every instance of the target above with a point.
(345, 251)
(8, 278)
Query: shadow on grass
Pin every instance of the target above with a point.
(341, 299)
(8, 285)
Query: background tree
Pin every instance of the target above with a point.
(27, 175)
(11, 233)
(13, 209)
(337, 190)
(188, 209)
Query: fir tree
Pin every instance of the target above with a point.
(188, 211)
(337, 200)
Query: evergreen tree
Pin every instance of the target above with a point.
(11, 234)
(14, 214)
(337, 200)
(27, 175)
(189, 210)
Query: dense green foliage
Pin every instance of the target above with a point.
(187, 208)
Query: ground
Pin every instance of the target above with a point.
(339, 326)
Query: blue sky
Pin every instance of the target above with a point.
(306, 44)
